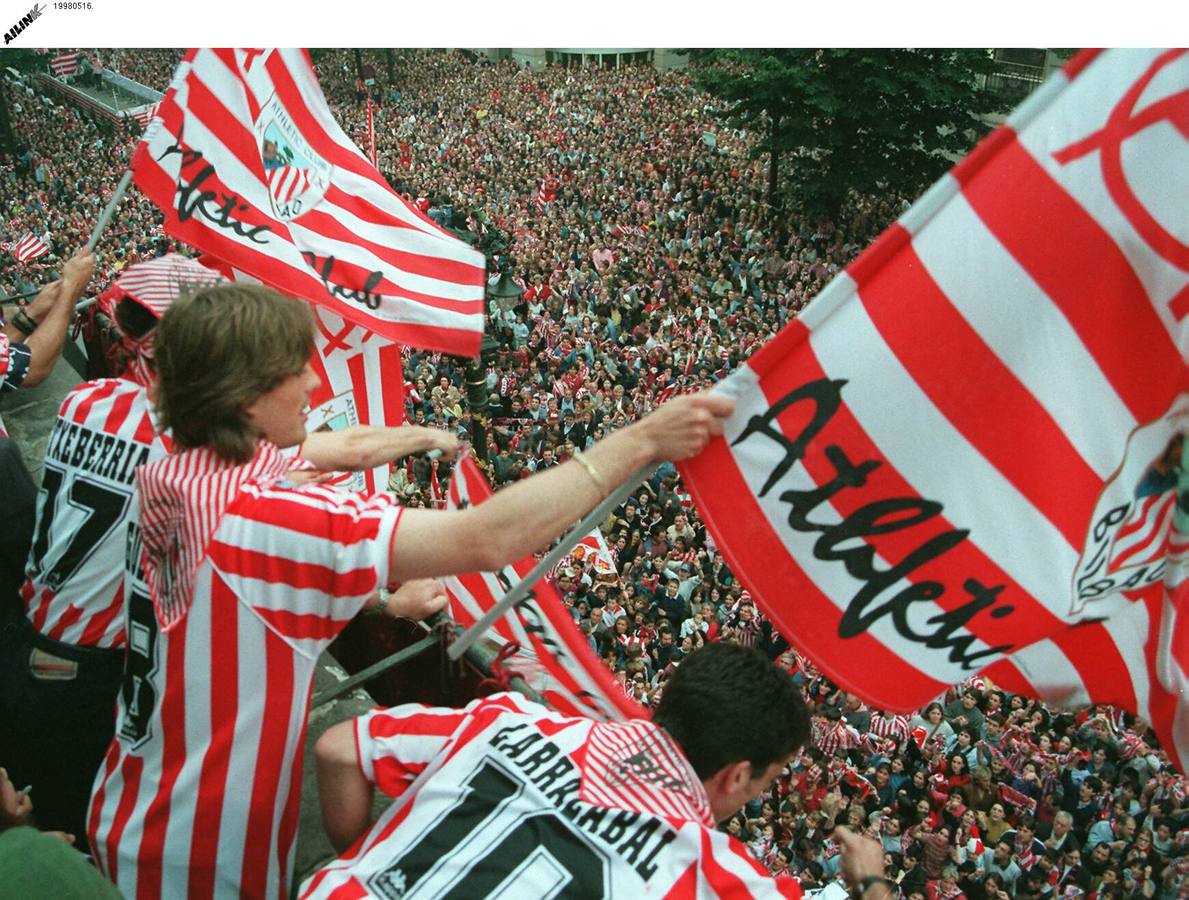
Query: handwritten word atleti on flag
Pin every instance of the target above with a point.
(555, 658)
(30, 247)
(248, 164)
(946, 458)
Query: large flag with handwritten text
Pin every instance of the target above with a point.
(554, 657)
(247, 163)
(952, 454)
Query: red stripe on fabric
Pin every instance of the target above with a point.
(95, 810)
(301, 626)
(758, 556)
(287, 833)
(1081, 268)
(42, 611)
(1080, 61)
(1004, 674)
(71, 615)
(132, 767)
(915, 318)
(279, 570)
(172, 705)
(119, 411)
(1163, 704)
(1179, 305)
(352, 890)
(1103, 670)
(723, 882)
(685, 886)
(323, 221)
(102, 392)
(393, 379)
(1140, 517)
(145, 432)
(223, 694)
(228, 58)
(1030, 621)
(357, 370)
(205, 105)
(270, 761)
(417, 725)
(352, 274)
(99, 623)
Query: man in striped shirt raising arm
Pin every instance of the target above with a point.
(245, 578)
(507, 798)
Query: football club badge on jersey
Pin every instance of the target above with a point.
(335, 414)
(297, 177)
(1131, 532)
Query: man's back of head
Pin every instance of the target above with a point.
(728, 703)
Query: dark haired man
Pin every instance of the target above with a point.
(515, 797)
(244, 578)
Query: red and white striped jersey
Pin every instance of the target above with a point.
(507, 797)
(198, 794)
(74, 591)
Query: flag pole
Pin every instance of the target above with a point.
(551, 559)
(109, 210)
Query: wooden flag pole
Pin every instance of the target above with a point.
(551, 559)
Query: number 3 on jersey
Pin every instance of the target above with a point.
(138, 694)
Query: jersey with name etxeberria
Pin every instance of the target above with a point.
(74, 589)
(507, 798)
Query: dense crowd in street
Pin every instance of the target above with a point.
(638, 227)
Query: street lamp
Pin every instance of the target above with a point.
(506, 293)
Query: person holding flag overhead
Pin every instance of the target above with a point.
(245, 578)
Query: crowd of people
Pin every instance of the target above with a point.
(638, 228)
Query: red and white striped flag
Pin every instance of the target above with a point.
(929, 468)
(30, 247)
(555, 658)
(592, 550)
(362, 384)
(67, 63)
(145, 115)
(248, 164)
(362, 381)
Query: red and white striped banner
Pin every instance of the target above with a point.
(145, 115)
(248, 164)
(362, 384)
(554, 658)
(930, 468)
(30, 247)
(68, 63)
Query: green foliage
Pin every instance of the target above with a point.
(873, 121)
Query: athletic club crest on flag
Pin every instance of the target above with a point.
(1131, 530)
(297, 177)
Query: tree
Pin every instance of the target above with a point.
(872, 121)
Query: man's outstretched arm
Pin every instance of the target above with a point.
(367, 446)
